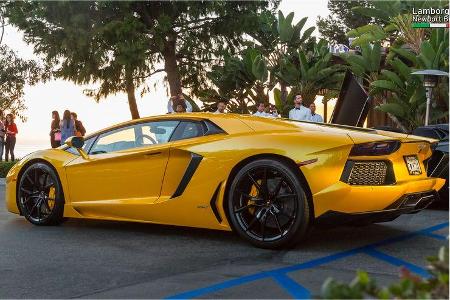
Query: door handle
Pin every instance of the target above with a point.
(152, 153)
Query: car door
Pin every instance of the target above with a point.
(124, 171)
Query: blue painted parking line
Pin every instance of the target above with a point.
(436, 236)
(291, 286)
(297, 290)
(220, 286)
(397, 262)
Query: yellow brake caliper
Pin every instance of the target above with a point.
(51, 197)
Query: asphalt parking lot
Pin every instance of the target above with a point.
(92, 259)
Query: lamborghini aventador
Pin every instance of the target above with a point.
(269, 180)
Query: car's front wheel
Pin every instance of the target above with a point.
(267, 204)
(40, 195)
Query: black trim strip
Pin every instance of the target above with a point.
(213, 203)
(190, 170)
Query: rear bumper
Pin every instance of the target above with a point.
(351, 199)
(407, 204)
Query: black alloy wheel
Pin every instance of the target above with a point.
(267, 204)
(40, 195)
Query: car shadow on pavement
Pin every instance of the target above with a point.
(332, 239)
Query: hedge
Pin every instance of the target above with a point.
(5, 166)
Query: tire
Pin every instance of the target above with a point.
(267, 205)
(39, 195)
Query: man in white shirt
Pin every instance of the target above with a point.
(315, 117)
(299, 112)
(181, 97)
(261, 111)
(220, 108)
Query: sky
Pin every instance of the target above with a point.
(43, 98)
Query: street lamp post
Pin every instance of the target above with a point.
(430, 80)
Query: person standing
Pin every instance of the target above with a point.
(220, 107)
(179, 106)
(315, 117)
(170, 106)
(2, 133)
(55, 132)
(11, 131)
(261, 110)
(67, 126)
(79, 128)
(299, 112)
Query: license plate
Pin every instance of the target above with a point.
(413, 165)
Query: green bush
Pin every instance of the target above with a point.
(5, 166)
(409, 286)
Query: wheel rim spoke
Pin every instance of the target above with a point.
(258, 187)
(34, 206)
(49, 185)
(39, 210)
(35, 176)
(285, 196)
(28, 199)
(252, 223)
(44, 181)
(26, 191)
(264, 184)
(241, 209)
(27, 177)
(278, 223)
(278, 187)
(263, 225)
(285, 214)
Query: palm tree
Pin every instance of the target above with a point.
(311, 73)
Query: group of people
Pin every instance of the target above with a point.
(8, 131)
(178, 104)
(60, 130)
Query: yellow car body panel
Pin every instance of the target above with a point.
(140, 184)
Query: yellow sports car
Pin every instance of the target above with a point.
(269, 180)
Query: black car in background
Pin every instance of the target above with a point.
(438, 162)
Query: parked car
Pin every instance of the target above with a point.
(269, 180)
(438, 162)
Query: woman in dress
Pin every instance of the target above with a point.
(55, 132)
(67, 126)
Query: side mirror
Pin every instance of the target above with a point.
(77, 142)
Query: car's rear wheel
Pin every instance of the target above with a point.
(40, 195)
(267, 204)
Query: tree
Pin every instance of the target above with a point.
(279, 39)
(15, 74)
(406, 95)
(88, 42)
(241, 81)
(120, 44)
(311, 72)
(335, 26)
(394, 25)
(191, 37)
(248, 77)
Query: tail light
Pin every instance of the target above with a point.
(375, 148)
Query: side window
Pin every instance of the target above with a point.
(116, 140)
(138, 135)
(155, 132)
(187, 130)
